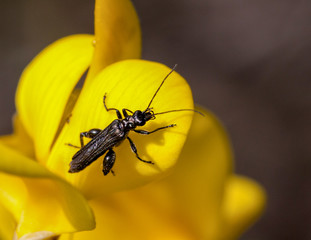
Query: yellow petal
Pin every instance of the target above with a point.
(117, 34)
(40, 200)
(195, 202)
(132, 216)
(16, 163)
(8, 223)
(184, 205)
(42, 235)
(197, 185)
(45, 87)
(243, 203)
(19, 140)
(129, 84)
(55, 207)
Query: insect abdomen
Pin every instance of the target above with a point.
(97, 147)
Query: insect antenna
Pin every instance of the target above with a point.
(180, 110)
(161, 86)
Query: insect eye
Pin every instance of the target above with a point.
(131, 125)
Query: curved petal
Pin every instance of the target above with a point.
(38, 194)
(184, 205)
(45, 87)
(19, 140)
(203, 182)
(117, 34)
(14, 162)
(129, 84)
(243, 203)
(200, 200)
(197, 185)
(132, 216)
(8, 223)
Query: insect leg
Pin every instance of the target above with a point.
(146, 132)
(110, 109)
(134, 149)
(90, 134)
(70, 145)
(108, 162)
(125, 110)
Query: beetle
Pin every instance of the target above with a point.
(114, 134)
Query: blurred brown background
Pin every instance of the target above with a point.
(248, 61)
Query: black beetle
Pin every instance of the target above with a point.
(114, 134)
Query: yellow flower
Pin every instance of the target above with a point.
(192, 191)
